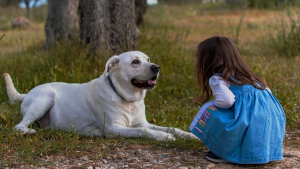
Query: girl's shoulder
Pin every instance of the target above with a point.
(217, 80)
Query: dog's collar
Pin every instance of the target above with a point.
(112, 85)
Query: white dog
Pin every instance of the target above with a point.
(109, 106)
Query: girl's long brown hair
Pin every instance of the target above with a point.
(219, 55)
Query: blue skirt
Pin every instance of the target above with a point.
(250, 132)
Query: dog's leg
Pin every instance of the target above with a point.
(172, 130)
(117, 130)
(34, 110)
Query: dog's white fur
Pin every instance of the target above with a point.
(94, 108)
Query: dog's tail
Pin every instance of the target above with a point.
(13, 95)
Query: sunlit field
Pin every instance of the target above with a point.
(269, 41)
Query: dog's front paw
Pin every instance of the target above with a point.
(192, 136)
(25, 130)
(166, 137)
(184, 134)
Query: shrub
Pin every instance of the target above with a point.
(286, 42)
(265, 4)
(262, 4)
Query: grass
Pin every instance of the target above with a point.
(169, 37)
(38, 15)
(287, 39)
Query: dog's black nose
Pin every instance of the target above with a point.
(155, 68)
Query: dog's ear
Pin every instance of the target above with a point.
(112, 63)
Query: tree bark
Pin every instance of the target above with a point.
(27, 2)
(108, 25)
(62, 21)
(93, 15)
(35, 3)
(140, 10)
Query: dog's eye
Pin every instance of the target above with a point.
(135, 62)
(148, 60)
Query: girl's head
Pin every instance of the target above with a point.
(219, 55)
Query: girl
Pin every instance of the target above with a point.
(245, 123)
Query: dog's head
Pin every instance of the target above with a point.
(132, 74)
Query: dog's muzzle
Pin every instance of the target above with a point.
(147, 84)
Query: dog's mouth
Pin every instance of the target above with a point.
(144, 84)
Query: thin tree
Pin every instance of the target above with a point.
(35, 3)
(27, 3)
(140, 10)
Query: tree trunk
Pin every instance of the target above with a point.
(27, 2)
(35, 2)
(108, 25)
(93, 15)
(62, 21)
(140, 10)
(123, 31)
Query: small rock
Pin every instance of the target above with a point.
(114, 164)
(152, 160)
(97, 167)
(147, 165)
(121, 155)
(105, 161)
(85, 158)
(20, 22)
(177, 158)
(90, 167)
(211, 166)
(146, 151)
(182, 167)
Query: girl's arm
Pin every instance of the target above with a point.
(223, 96)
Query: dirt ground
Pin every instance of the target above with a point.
(136, 156)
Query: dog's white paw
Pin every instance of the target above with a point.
(167, 137)
(31, 131)
(192, 136)
(184, 134)
(25, 130)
